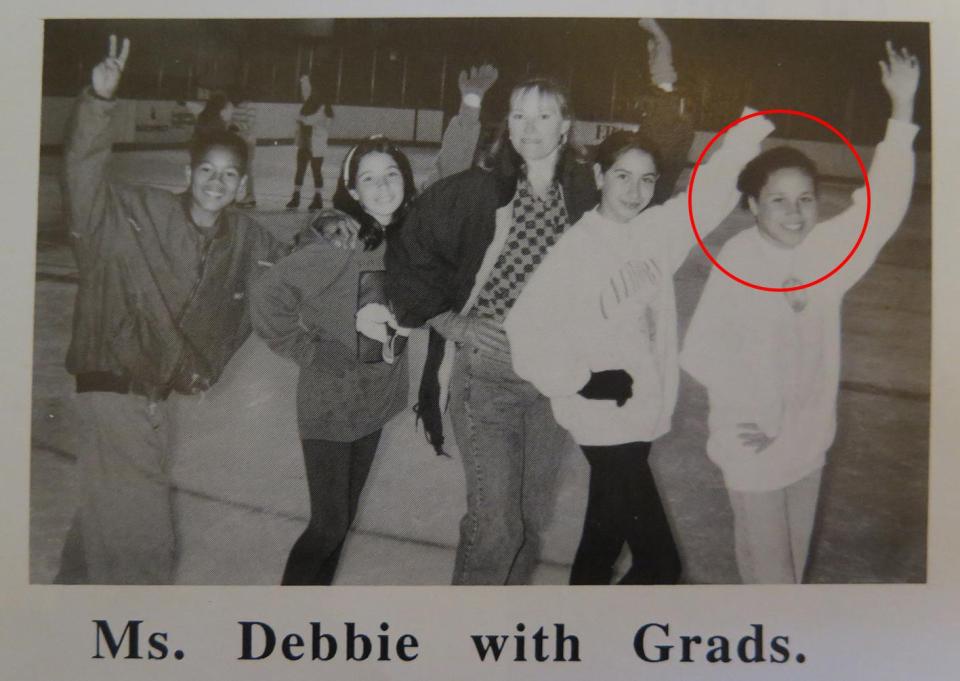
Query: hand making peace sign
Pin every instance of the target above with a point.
(106, 75)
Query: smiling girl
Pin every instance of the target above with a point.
(323, 307)
(595, 330)
(770, 361)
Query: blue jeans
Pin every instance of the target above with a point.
(511, 448)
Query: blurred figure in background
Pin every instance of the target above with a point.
(312, 135)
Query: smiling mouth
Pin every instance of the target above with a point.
(794, 227)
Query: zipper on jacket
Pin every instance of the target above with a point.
(204, 255)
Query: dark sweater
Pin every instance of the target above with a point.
(305, 309)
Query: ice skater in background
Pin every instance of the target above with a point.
(770, 361)
(595, 330)
(161, 308)
(325, 308)
(312, 135)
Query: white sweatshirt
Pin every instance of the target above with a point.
(765, 363)
(588, 307)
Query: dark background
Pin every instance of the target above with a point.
(826, 68)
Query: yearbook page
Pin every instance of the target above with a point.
(535, 341)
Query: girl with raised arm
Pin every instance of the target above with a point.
(770, 361)
(595, 330)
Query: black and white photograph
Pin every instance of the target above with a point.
(219, 394)
(641, 300)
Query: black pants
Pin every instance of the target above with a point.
(624, 506)
(336, 473)
(316, 165)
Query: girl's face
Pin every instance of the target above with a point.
(215, 182)
(786, 208)
(379, 186)
(536, 124)
(627, 186)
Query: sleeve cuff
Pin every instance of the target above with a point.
(89, 94)
(901, 130)
(756, 128)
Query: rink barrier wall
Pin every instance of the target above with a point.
(159, 124)
(165, 122)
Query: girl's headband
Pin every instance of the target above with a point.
(346, 165)
(349, 159)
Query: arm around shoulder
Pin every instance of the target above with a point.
(423, 259)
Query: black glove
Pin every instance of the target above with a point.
(614, 384)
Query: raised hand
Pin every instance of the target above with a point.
(660, 55)
(337, 227)
(477, 80)
(105, 77)
(652, 27)
(900, 75)
(305, 87)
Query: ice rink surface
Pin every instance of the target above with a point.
(240, 493)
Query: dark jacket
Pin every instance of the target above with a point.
(433, 264)
(160, 306)
(305, 309)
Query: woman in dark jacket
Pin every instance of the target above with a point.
(459, 263)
